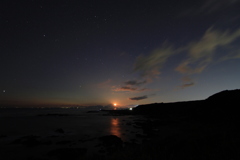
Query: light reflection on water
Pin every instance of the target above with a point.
(115, 127)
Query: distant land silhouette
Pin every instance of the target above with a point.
(228, 96)
(200, 129)
(222, 105)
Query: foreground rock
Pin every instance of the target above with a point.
(111, 143)
(67, 153)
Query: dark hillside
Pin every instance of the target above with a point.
(222, 105)
(227, 96)
(164, 109)
(199, 130)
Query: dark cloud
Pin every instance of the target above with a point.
(131, 86)
(128, 89)
(187, 85)
(139, 98)
(125, 89)
(187, 82)
(135, 83)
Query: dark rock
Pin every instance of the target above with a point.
(140, 135)
(28, 141)
(46, 142)
(131, 145)
(53, 136)
(102, 151)
(54, 114)
(67, 153)
(92, 111)
(57, 114)
(59, 130)
(3, 136)
(63, 142)
(35, 158)
(133, 140)
(86, 140)
(129, 123)
(31, 141)
(111, 142)
(137, 126)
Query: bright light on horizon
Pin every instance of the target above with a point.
(115, 104)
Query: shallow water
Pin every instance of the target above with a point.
(44, 122)
(79, 128)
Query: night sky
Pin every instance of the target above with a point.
(82, 52)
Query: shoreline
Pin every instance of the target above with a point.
(59, 141)
(185, 138)
(198, 130)
(161, 138)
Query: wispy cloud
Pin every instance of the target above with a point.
(138, 98)
(201, 53)
(131, 86)
(233, 55)
(124, 89)
(135, 82)
(149, 66)
(187, 85)
(186, 82)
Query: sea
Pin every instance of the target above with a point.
(55, 128)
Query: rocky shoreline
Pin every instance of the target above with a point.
(206, 129)
(61, 143)
(196, 131)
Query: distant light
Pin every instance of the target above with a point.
(115, 104)
(130, 109)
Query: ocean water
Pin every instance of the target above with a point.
(75, 127)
